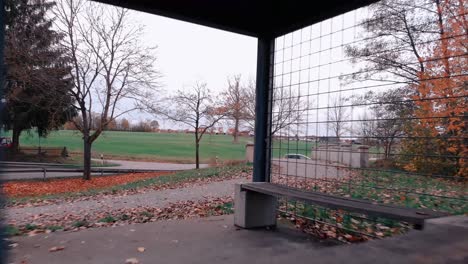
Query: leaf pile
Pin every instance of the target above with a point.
(388, 188)
(81, 220)
(162, 182)
(57, 186)
(339, 226)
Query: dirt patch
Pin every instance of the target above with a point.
(55, 186)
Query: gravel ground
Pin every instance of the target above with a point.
(151, 198)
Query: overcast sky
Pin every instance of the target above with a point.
(189, 52)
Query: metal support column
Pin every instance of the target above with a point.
(261, 171)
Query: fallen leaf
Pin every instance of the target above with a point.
(57, 248)
(331, 234)
(13, 245)
(132, 261)
(380, 234)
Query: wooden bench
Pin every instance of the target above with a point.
(256, 202)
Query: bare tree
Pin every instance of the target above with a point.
(391, 109)
(288, 108)
(386, 117)
(125, 125)
(154, 125)
(337, 115)
(367, 127)
(250, 106)
(402, 34)
(195, 108)
(235, 100)
(109, 65)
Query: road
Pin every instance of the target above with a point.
(122, 164)
(143, 165)
(6, 176)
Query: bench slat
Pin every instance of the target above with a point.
(415, 216)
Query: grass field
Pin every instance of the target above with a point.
(164, 146)
(141, 145)
(156, 146)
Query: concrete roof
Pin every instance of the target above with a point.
(255, 18)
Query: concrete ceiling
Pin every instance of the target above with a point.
(257, 18)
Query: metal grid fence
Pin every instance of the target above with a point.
(372, 104)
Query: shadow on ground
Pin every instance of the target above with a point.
(216, 240)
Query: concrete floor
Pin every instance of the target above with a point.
(216, 240)
(208, 240)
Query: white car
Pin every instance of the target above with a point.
(296, 156)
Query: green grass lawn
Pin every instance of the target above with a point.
(141, 145)
(156, 146)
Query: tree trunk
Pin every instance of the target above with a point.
(197, 156)
(236, 131)
(15, 139)
(197, 149)
(387, 149)
(87, 159)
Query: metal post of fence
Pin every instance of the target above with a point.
(262, 109)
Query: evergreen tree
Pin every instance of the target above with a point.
(37, 71)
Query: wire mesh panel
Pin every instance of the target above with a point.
(372, 104)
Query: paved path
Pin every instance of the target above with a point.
(216, 240)
(150, 198)
(122, 164)
(309, 168)
(144, 165)
(6, 176)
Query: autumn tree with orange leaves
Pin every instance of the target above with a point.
(422, 45)
(441, 97)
